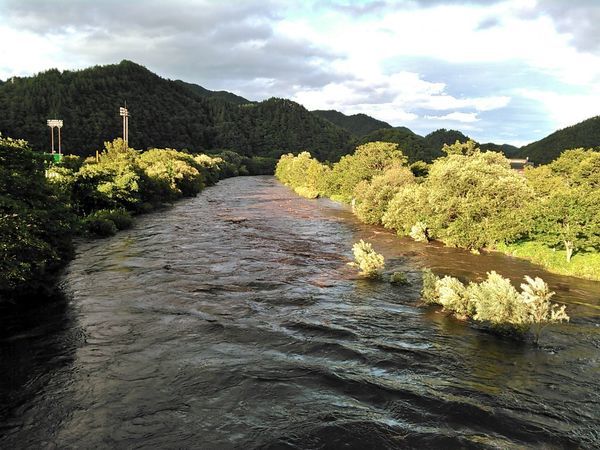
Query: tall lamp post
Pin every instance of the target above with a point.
(55, 123)
(123, 112)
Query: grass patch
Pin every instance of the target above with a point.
(582, 265)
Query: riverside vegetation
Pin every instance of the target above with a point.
(469, 199)
(43, 205)
(494, 303)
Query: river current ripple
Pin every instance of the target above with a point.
(232, 320)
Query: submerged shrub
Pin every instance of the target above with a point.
(429, 293)
(540, 311)
(452, 295)
(398, 278)
(498, 304)
(367, 260)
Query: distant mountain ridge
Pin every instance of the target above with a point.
(585, 134)
(183, 115)
(222, 95)
(163, 113)
(357, 124)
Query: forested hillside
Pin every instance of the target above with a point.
(585, 134)
(357, 124)
(222, 95)
(163, 113)
(180, 115)
(414, 146)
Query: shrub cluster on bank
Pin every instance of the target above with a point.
(42, 204)
(467, 198)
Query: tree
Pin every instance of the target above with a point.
(35, 221)
(367, 161)
(409, 206)
(461, 148)
(372, 197)
(476, 200)
(303, 173)
(566, 211)
(570, 217)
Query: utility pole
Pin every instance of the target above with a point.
(123, 112)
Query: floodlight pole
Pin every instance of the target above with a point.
(58, 124)
(123, 112)
(52, 139)
(59, 149)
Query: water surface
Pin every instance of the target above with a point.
(232, 320)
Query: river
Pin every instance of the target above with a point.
(231, 320)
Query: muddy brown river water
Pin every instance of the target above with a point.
(231, 320)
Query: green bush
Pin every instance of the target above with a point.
(419, 232)
(367, 161)
(120, 217)
(367, 260)
(303, 173)
(99, 226)
(398, 278)
(452, 295)
(371, 198)
(429, 293)
(496, 303)
(540, 311)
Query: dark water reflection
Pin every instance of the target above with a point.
(233, 321)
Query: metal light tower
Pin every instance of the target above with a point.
(123, 112)
(52, 123)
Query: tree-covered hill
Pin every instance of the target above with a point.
(510, 151)
(585, 134)
(180, 115)
(414, 146)
(357, 124)
(163, 113)
(222, 95)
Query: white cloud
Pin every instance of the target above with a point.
(457, 117)
(24, 53)
(566, 109)
(351, 58)
(395, 98)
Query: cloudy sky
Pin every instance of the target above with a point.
(504, 71)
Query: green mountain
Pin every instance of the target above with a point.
(357, 124)
(414, 146)
(585, 134)
(510, 151)
(163, 113)
(180, 115)
(222, 95)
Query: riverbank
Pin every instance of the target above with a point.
(44, 205)
(582, 265)
(468, 199)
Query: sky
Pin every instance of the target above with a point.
(504, 71)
